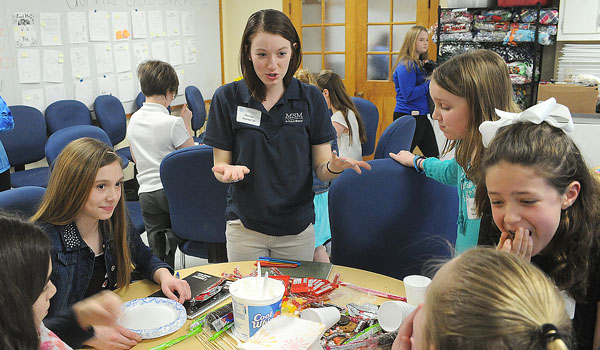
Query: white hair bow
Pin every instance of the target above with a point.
(547, 111)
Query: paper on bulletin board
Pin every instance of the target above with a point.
(28, 61)
(24, 28)
(175, 57)
(53, 66)
(181, 78)
(138, 24)
(84, 91)
(159, 51)
(122, 57)
(34, 98)
(140, 52)
(125, 85)
(77, 24)
(80, 62)
(55, 92)
(107, 85)
(104, 58)
(98, 25)
(155, 23)
(187, 22)
(50, 29)
(120, 25)
(189, 51)
(172, 23)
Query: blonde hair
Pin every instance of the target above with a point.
(305, 76)
(71, 181)
(480, 77)
(494, 300)
(408, 51)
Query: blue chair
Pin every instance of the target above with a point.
(370, 116)
(134, 210)
(24, 144)
(391, 220)
(111, 117)
(195, 102)
(396, 137)
(22, 200)
(196, 202)
(57, 141)
(140, 99)
(65, 113)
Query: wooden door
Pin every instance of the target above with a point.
(360, 40)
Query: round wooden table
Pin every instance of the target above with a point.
(342, 296)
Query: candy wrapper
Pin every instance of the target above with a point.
(523, 35)
(448, 50)
(467, 36)
(485, 36)
(448, 16)
(547, 16)
(491, 26)
(454, 28)
(513, 53)
(495, 16)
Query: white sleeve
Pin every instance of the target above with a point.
(338, 117)
(179, 133)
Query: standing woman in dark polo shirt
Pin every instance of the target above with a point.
(268, 132)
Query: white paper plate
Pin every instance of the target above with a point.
(152, 317)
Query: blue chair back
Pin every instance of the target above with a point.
(111, 117)
(370, 116)
(396, 137)
(57, 141)
(24, 144)
(196, 199)
(391, 220)
(23, 200)
(65, 113)
(195, 101)
(140, 99)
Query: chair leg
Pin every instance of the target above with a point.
(182, 259)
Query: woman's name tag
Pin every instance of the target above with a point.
(248, 115)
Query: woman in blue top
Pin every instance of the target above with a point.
(83, 213)
(269, 131)
(412, 89)
(465, 90)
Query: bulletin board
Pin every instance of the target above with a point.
(79, 49)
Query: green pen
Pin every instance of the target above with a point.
(218, 334)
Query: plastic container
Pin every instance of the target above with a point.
(252, 309)
(469, 3)
(509, 3)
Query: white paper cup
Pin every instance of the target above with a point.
(415, 287)
(391, 314)
(326, 315)
(251, 310)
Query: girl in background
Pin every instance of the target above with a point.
(26, 291)
(487, 300)
(465, 89)
(83, 213)
(412, 89)
(545, 203)
(346, 120)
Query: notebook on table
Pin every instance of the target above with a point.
(199, 282)
(308, 269)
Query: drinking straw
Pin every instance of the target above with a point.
(373, 292)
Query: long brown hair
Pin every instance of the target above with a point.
(340, 100)
(274, 22)
(408, 51)
(553, 155)
(487, 299)
(69, 187)
(481, 77)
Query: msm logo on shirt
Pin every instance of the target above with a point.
(294, 118)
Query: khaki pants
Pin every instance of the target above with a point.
(245, 244)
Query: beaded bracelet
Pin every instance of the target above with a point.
(415, 160)
(333, 172)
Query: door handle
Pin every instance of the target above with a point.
(359, 94)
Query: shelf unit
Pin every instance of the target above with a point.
(536, 49)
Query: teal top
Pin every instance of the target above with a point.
(449, 172)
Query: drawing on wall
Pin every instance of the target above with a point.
(98, 25)
(107, 85)
(159, 51)
(53, 66)
(83, 91)
(155, 23)
(29, 66)
(125, 85)
(138, 24)
(55, 92)
(175, 58)
(140, 52)
(120, 26)
(50, 29)
(77, 24)
(24, 28)
(34, 98)
(122, 57)
(172, 23)
(187, 22)
(104, 58)
(80, 62)
(189, 51)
